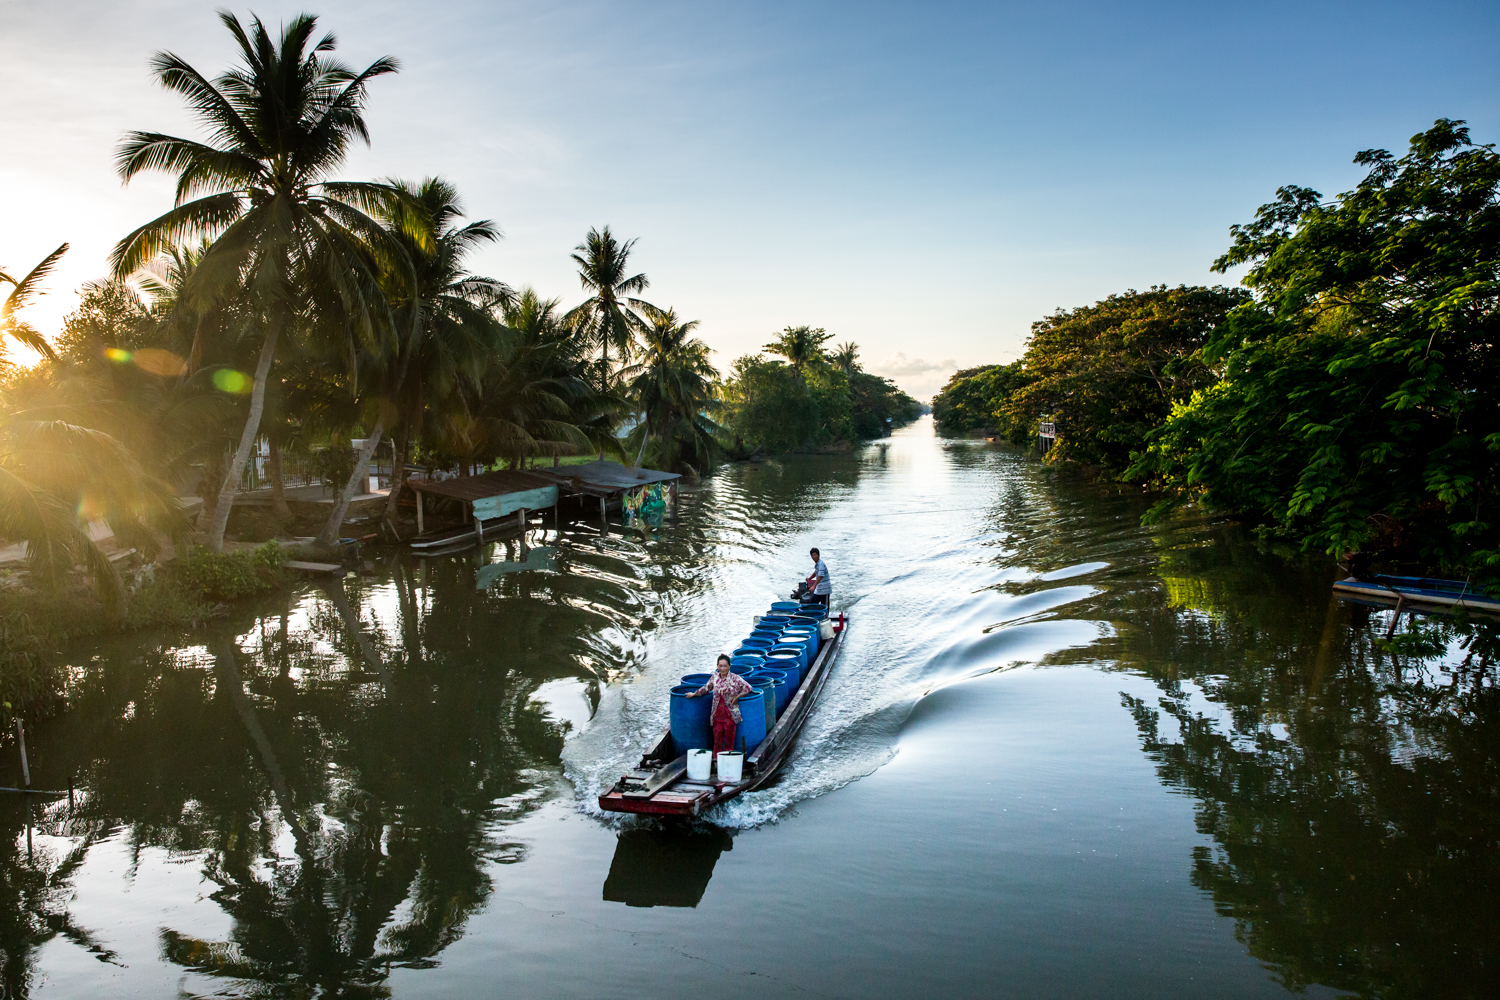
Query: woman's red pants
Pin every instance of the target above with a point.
(724, 727)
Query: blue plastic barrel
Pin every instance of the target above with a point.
(747, 651)
(803, 621)
(767, 690)
(752, 726)
(798, 632)
(766, 633)
(741, 668)
(785, 608)
(691, 729)
(784, 687)
(787, 658)
(696, 680)
(815, 611)
(747, 660)
(753, 643)
(803, 645)
(773, 620)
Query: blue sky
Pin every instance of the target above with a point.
(925, 179)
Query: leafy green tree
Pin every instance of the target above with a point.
(974, 399)
(110, 314)
(1360, 405)
(672, 388)
(877, 405)
(1110, 372)
(768, 407)
(802, 346)
(300, 246)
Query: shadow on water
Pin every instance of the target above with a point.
(666, 866)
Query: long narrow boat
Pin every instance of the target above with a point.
(659, 785)
(1417, 591)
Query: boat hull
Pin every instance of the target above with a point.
(1418, 592)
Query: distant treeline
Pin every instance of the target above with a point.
(812, 399)
(1348, 397)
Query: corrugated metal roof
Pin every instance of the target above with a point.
(488, 484)
(603, 477)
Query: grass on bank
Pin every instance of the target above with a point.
(36, 626)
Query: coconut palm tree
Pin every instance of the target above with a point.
(533, 396)
(448, 323)
(603, 265)
(22, 291)
(301, 247)
(800, 345)
(845, 357)
(672, 389)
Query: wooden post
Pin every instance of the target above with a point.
(25, 765)
(478, 531)
(521, 527)
(603, 516)
(420, 504)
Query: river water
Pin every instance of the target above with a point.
(1062, 755)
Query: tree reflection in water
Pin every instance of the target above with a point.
(343, 769)
(1353, 795)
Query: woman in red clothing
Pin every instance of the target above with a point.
(727, 690)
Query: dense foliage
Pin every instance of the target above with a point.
(811, 400)
(1110, 372)
(1359, 408)
(974, 400)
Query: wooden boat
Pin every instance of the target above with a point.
(659, 785)
(1417, 592)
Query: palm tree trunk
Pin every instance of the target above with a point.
(213, 478)
(247, 438)
(330, 533)
(278, 485)
(645, 437)
(398, 473)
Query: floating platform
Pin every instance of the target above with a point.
(659, 785)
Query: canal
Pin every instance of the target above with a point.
(1062, 755)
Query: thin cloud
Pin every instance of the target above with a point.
(898, 365)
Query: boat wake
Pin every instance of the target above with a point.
(933, 602)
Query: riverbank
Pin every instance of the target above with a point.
(37, 626)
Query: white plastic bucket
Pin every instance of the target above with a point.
(700, 764)
(731, 765)
(754, 621)
(825, 629)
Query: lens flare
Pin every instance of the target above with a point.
(229, 380)
(118, 355)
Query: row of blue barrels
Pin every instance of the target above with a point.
(774, 659)
(692, 723)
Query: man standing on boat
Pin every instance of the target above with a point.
(819, 583)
